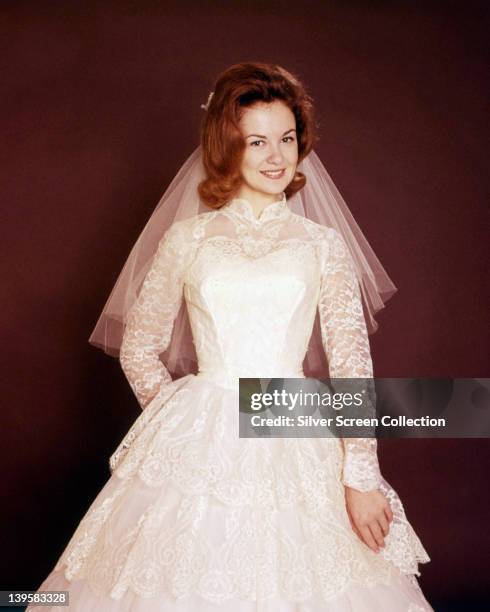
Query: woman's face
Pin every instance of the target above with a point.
(271, 145)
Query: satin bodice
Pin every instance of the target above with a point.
(252, 317)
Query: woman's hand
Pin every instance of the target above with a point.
(370, 516)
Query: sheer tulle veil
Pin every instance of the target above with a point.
(319, 200)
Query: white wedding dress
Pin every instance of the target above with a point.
(196, 519)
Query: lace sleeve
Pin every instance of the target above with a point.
(346, 344)
(150, 321)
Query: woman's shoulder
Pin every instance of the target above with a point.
(185, 226)
(317, 230)
(190, 230)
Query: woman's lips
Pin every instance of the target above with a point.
(274, 175)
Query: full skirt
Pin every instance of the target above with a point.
(195, 519)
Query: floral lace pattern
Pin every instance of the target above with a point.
(190, 507)
(346, 344)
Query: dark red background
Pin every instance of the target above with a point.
(101, 106)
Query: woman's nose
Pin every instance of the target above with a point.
(275, 157)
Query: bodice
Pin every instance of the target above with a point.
(252, 317)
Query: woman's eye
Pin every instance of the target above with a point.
(254, 142)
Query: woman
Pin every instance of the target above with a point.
(193, 517)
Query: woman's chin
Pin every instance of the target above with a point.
(272, 187)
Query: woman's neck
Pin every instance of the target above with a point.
(258, 200)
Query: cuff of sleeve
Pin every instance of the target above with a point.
(361, 472)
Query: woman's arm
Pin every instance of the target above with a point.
(151, 318)
(346, 344)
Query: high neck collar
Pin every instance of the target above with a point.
(242, 207)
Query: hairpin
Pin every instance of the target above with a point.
(206, 106)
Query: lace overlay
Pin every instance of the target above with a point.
(192, 509)
(346, 344)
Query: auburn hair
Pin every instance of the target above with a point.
(238, 87)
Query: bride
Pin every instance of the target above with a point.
(232, 282)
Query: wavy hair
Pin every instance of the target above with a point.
(238, 87)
